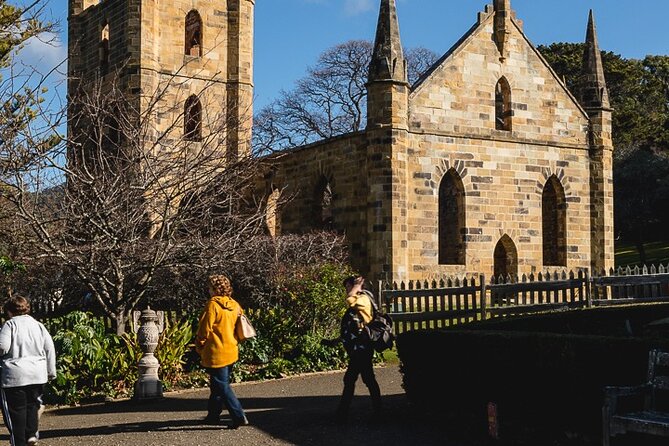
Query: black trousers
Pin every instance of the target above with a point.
(360, 363)
(20, 406)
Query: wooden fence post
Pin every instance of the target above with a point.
(482, 290)
(588, 289)
(379, 299)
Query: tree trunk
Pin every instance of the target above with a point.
(121, 319)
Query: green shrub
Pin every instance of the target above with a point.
(90, 362)
(629, 320)
(307, 308)
(175, 345)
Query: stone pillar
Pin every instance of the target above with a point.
(148, 385)
(601, 192)
(387, 140)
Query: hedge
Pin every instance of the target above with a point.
(630, 320)
(539, 380)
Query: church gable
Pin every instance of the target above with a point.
(496, 84)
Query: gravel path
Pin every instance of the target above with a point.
(293, 411)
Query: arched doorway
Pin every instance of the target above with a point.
(506, 258)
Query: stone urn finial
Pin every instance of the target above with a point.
(148, 385)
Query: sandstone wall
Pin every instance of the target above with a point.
(298, 175)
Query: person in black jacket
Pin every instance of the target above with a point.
(360, 352)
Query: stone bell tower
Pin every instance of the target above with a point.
(189, 62)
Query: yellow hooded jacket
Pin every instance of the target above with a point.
(216, 342)
(362, 304)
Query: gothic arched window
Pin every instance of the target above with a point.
(193, 39)
(323, 212)
(451, 220)
(554, 223)
(103, 49)
(193, 119)
(503, 111)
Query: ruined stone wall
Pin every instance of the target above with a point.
(86, 22)
(298, 174)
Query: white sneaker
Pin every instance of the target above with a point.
(32, 441)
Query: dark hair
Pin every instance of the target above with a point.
(350, 280)
(17, 306)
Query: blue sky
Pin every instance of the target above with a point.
(289, 34)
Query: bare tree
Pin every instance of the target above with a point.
(129, 195)
(330, 100)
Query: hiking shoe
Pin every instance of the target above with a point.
(237, 423)
(211, 420)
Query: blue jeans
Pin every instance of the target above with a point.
(222, 395)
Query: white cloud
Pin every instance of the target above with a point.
(43, 54)
(354, 7)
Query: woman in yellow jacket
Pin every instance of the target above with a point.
(217, 346)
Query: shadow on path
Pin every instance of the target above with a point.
(296, 411)
(294, 420)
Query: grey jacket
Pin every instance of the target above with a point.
(28, 355)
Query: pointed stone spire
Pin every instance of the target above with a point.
(502, 25)
(388, 61)
(594, 93)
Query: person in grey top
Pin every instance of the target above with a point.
(28, 361)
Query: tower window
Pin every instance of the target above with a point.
(193, 40)
(104, 49)
(503, 111)
(193, 119)
(451, 220)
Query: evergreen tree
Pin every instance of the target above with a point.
(639, 94)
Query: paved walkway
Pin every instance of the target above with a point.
(293, 411)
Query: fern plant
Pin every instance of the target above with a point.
(172, 347)
(89, 361)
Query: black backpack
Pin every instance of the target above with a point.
(380, 330)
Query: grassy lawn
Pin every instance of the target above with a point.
(390, 356)
(656, 253)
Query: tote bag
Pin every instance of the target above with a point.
(243, 329)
